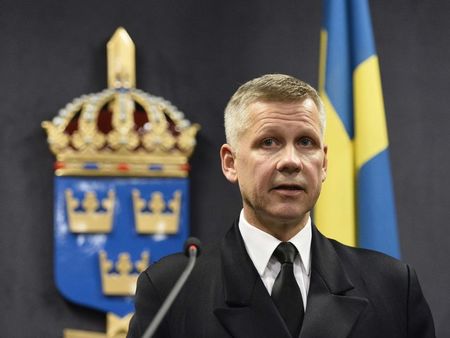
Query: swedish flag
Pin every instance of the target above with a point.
(356, 205)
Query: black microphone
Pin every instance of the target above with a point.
(192, 250)
(192, 243)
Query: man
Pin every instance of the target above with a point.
(275, 275)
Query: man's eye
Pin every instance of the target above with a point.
(268, 142)
(306, 141)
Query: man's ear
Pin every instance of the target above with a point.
(325, 163)
(228, 163)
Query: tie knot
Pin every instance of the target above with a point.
(285, 252)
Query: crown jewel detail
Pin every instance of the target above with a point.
(121, 132)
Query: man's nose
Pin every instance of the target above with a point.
(290, 160)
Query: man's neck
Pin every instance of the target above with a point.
(283, 230)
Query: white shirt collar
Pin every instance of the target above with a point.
(260, 245)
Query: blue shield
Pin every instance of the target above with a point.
(107, 230)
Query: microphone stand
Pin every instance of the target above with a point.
(193, 252)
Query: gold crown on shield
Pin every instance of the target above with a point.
(119, 278)
(121, 131)
(151, 216)
(89, 214)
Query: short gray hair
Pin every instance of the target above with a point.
(270, 88)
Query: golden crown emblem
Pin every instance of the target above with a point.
(155, 220)
(90, 219)
(123, 281)
(121, 131)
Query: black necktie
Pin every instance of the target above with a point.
(285, 292)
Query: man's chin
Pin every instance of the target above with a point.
(286, 216)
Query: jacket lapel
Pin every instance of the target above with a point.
(247, 309)
(331, 310)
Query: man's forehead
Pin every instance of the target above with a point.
(306, 105)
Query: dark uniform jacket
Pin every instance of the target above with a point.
(353, 293)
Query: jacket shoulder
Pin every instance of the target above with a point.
(167, 269)
(370, 262)
(389, 284)
(165, 272)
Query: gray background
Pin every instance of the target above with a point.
(195, 53)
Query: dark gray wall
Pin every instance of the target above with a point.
(195, 53)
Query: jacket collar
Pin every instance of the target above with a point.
(248, 310)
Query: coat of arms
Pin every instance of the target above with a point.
(121, 189)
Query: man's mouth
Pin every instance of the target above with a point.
(292, 187)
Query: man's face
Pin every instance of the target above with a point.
(279, 164)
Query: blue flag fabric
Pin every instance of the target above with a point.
(357, 202)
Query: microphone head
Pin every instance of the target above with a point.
(192, 242)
